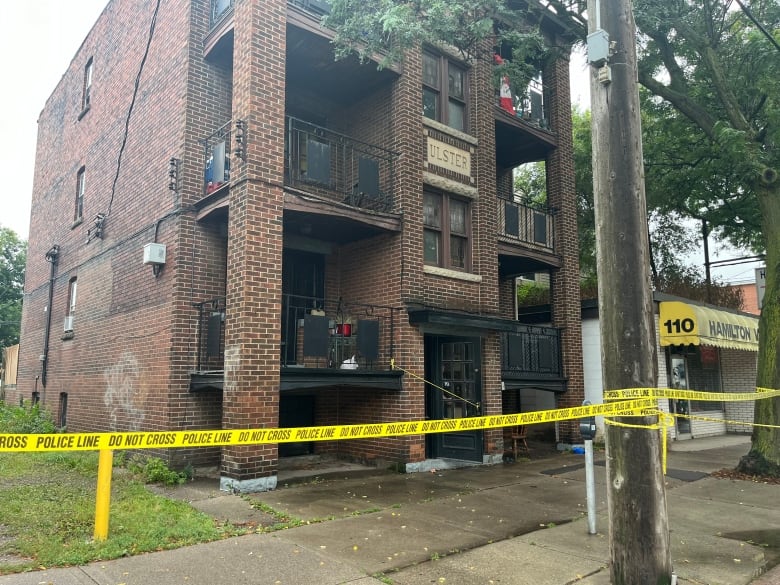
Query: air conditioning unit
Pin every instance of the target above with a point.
(154, 254)
(68, 325)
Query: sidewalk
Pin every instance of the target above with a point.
(517, 523)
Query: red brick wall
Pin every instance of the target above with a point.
(565, 281)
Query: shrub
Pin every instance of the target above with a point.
(155, 470)
(25, 419)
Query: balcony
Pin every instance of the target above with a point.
(526, 237)
(324, 342)
(531, 357)
(318, 7)
(217, 147)
(524, 135)
(334, 166)
(526, 224)
(220, 10)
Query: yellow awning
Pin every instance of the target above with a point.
(685, 324)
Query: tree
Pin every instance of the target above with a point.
(717, 70)
(13, 255)
(670, 176)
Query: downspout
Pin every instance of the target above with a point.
(51, 258)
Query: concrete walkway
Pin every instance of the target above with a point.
(517, 523)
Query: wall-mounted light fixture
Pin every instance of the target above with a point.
(240, 149)
(96, 231)
(52, 254)
(173, 174)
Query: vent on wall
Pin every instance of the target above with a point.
(68, 325)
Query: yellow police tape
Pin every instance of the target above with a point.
(759, 394)
(631, 402)
(222, 437)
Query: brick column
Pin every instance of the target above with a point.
(254, 278)
(562, 196)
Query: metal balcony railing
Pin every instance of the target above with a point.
(533, 351)
(315, 333)
(314, 6)
(217, 158)
(211, 335)
(333, 165)
(220, 10)
(527, 224)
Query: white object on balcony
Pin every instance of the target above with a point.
(350, 364)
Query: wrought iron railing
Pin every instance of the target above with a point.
(532, 106)
(220, 10)
(315, 333)
(211, 335)
(333, 165)
(532, 351)
(315, 6)
(218, 158)
(527, 224)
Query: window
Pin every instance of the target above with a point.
(79, 210)
(444, 91)
(446, 223)
(62, 413)
(72, 296)
(87, 90)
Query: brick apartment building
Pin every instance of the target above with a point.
(231, 229)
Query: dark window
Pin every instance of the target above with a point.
(87, 90)
(78, 212)
(444, 91)
(446, 223)
(62, 414)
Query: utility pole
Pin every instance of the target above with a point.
(636, 495)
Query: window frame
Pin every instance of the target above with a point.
(442, 89)
(445, 232)
(78, 210)
(86, 88)
(72, 295)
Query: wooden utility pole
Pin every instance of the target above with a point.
(636, 496)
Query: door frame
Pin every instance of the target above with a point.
(468, 445)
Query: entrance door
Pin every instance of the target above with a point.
(454, 391)
(680, 408)
(303, 285)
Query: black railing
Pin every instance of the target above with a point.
(528, 224)
(315, 6)
(211, 335)
(217, 158)
(333, 165)
(531, 106)
(532, 351)
(316, 333)
(220, 9)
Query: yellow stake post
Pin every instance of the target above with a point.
(103, 496)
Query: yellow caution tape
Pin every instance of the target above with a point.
(223, 437)
(760, 394)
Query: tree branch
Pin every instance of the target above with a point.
(693, 111)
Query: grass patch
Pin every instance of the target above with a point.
(47, 506)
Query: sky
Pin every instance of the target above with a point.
(41, 41)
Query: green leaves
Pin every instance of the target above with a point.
(13, 256)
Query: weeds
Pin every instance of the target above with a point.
(25, 419)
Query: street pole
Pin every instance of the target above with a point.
(588, 432)
(636, 496)
(590, 486)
